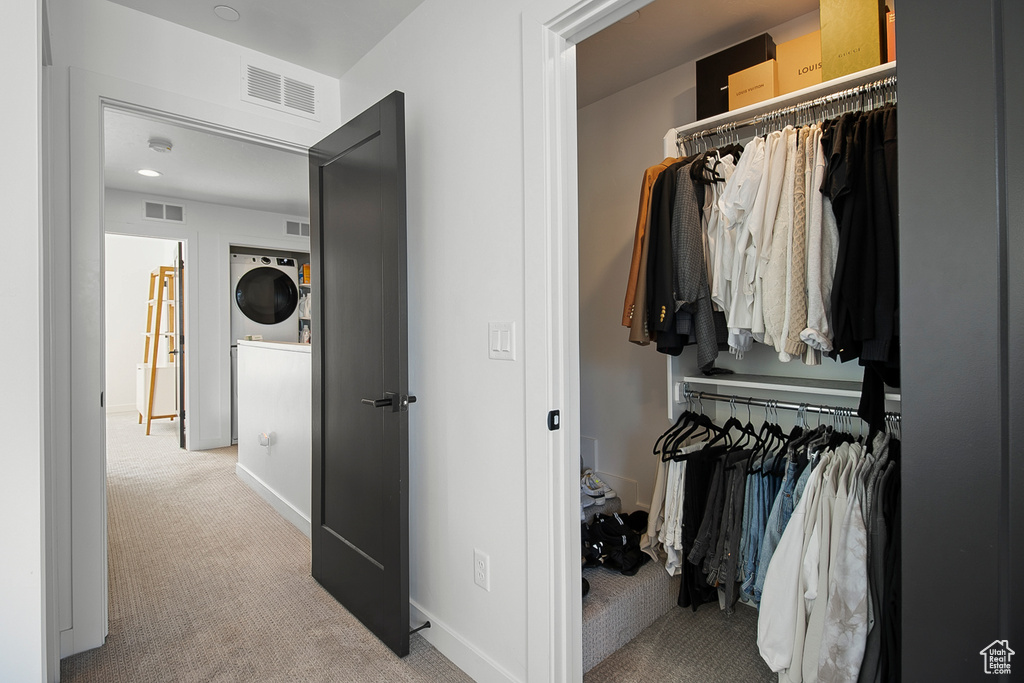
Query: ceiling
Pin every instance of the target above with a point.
(327, 36)
(668, 33)
(203, 166)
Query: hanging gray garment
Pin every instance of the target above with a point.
(870, 670)
(691, 277)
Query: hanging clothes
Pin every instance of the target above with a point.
(643, 217)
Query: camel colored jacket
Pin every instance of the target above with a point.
(650, 175)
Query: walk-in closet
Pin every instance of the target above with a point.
(716, 393)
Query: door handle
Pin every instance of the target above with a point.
(376, 402)
(398, 404)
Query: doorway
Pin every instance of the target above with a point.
(207, 226)
(143, 302)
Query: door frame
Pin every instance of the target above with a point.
(551, 319)
(81, 545)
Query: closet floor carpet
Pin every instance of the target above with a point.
(209, 583)
(706, 646)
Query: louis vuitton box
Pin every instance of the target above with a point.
(713, 72)
(852, 36)
(756, 84)
(799, 62)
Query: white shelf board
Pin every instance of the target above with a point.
(875, 73)
(796, 385)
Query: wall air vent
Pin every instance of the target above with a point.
(271, 89)
(156, 211)
(296, 229)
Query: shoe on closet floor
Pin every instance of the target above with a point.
(593, 487)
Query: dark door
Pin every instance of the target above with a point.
(179, 306)
(360, 376)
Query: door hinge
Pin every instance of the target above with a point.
(101, 400)
(553, 420)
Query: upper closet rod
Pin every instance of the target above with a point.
(689, 394)
(884, 87)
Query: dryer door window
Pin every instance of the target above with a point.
(266, 296)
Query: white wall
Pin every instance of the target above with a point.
(23, 572)
(275, 397)
(210, 231)
(622, 385)
(459, 63)
(128, 263)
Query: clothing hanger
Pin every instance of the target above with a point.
(775, 440)
(684, 429)
(699, 426)
(664, 435)
(700, 422)
(681, 422)
(725, 431)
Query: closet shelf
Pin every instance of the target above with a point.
(796, 385)
(875, 73)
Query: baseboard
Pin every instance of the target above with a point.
(67, 643)
(123, 408)
(283, 507)
(208, 444)
(474, 663)
(628, 490)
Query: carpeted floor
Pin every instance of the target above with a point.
(706, 646)
(209, 583)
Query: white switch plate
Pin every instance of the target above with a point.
(501, 341)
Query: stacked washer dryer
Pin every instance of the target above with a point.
(265, 302)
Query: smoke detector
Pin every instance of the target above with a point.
(160, 145)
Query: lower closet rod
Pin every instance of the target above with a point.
(689, 394)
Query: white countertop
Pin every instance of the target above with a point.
(277, 346)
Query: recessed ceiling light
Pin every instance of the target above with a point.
(149, 173)
(630, 18)
(160, 145)
(226, 13)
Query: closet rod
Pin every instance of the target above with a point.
(689, 394)
(872, 88)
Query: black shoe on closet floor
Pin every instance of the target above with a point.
(586, 586)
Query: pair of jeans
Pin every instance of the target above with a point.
(751, 496)
(725, 562)
(793, 484)
(766, 489)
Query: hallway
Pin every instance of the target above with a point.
(209, 583)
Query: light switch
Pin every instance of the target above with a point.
(501, 340)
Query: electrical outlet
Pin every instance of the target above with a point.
(482, 570)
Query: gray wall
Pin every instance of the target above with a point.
(961, 257)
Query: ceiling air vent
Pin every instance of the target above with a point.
(296, 229)
(264, 85)
(299, 95)
(156, 211)
(278, 91)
